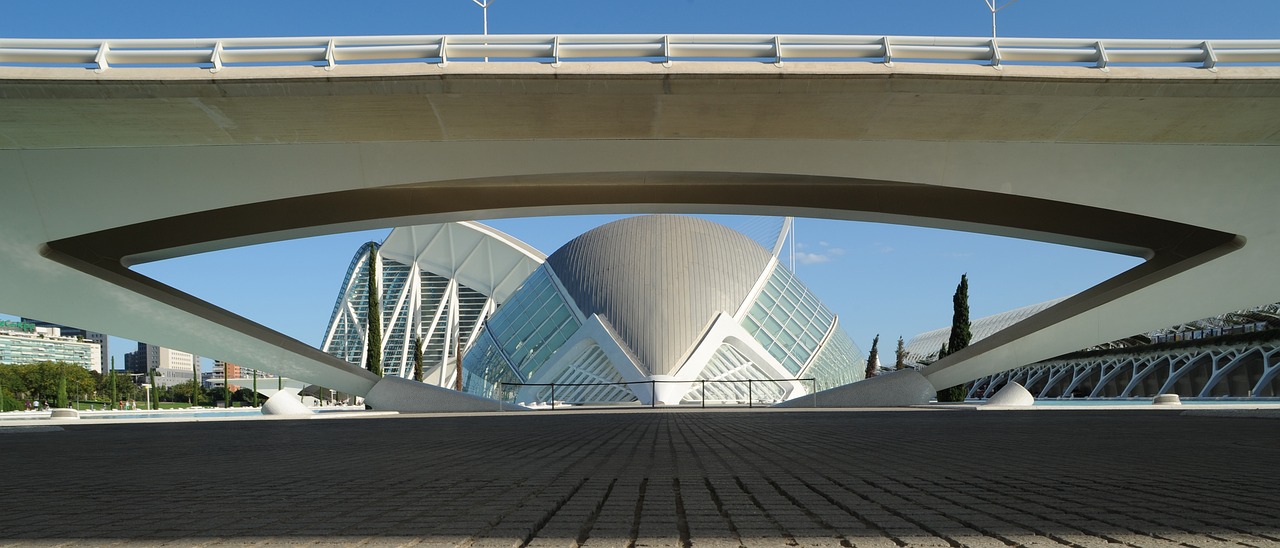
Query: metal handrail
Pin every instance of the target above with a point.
(653, 387)
(217, 54)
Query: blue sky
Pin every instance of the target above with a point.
(891, 280)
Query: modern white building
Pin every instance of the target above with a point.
(665, 307)
(1235, 355)
(923, 348)
(101, 339)
(25, 342)
(437, 283)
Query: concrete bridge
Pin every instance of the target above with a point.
(149, 150)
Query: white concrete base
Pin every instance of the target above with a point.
(1167, 399)
(896, 389)
(64, 414)
(1012, 395)
(404, 395)
(285, 404)
(667, 393)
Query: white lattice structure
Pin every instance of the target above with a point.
(1212, 370)
(923, 348)
(438, 282)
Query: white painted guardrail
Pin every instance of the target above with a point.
(217, 54)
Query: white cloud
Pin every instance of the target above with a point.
(811, 258)
(823, 253)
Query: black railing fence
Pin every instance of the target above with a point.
(750, 399)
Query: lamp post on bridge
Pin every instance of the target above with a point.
(991, 5)
(484, 7)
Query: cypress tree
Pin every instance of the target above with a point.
(195, 381)
(417, 359)
(226, 383)
(114, 399)
(960, 336)
(373, 354)
(155, 391)
(873, 356)
(900, 361)
(62, 391)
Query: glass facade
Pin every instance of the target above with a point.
(839, 362)
(347, 341)
(392, 279)
(484, 369)
(403, 315)
(533, 324)
(788, 320)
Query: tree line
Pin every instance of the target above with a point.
(56, 383)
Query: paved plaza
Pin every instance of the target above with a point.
(652, 478)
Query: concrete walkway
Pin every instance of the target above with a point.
(652, 478)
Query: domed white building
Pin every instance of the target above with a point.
(663, 307)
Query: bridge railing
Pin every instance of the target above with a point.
(217, 54)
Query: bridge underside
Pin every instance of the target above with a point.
(100, 173)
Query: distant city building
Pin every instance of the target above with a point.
(92, 336)
(172, 367)
(230, 370)
(24, 342)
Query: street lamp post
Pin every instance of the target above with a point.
(991, 5)
(484, 7)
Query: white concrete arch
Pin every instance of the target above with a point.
(1174, 164)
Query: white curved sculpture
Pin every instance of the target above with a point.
(887, 390)
(64, 413)
(285, 404)
(415, 397)
(1167, 399)
(1012, 395)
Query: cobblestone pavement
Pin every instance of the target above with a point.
(653, 478)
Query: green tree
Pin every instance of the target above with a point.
(959, 338)
(42, 380)
(189, 391)
(873, 356)
(154, 400)
(900, 359)
(114, 395)
(8, 403)
(62, 392)
(373, 354)
(226, 383)
(417, 359)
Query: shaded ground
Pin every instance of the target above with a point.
(653, 478)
